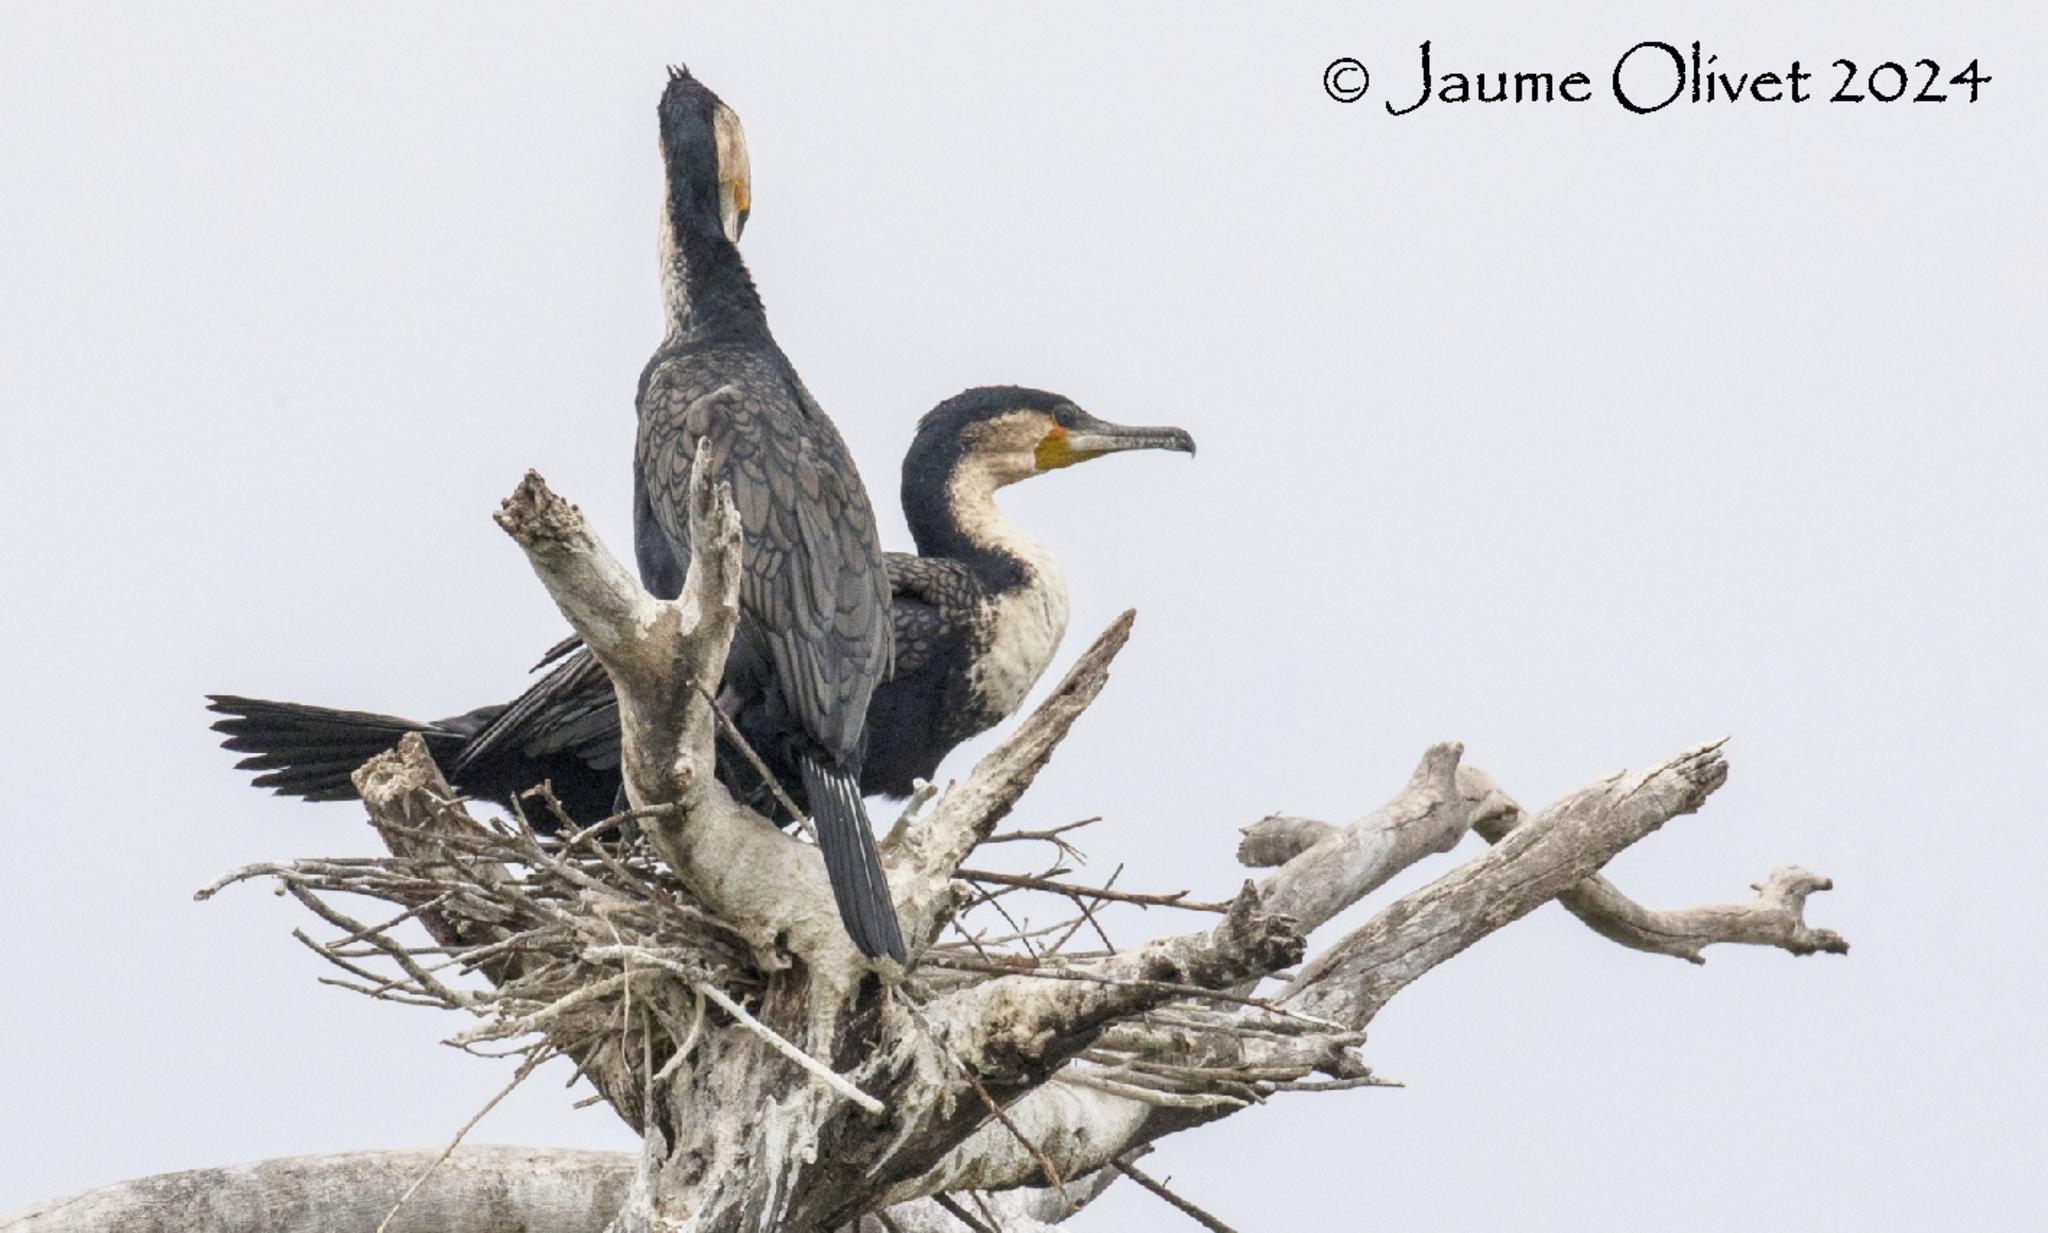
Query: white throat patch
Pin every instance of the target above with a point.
(1023, 626)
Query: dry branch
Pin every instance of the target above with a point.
(1565, 843)
(1429, 815)
(1105, 894)
(1774, 918)
(1777, 917)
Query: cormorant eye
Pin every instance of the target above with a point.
(1063, 415)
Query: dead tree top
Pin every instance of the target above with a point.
(698, 976)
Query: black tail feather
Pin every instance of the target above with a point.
(852, 862)
(311, 751)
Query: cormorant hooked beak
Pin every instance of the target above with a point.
(703, 148)
(735, 176)
(1087, 437)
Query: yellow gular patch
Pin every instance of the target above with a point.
(1055, 451)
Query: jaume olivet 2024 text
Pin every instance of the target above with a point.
(1654, 76)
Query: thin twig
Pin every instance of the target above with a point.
(392, 949)
(689, 1042)
(1017, 930)
(1051, 835)
(1052, 1175)
(1156, 1097)
(570, 837)
(389, 995)
(579, 996)
(1159, 1188)
(1178, 899)
(987, 1212)
(971, 939)
(1088, 918)
(533, 1060)
(338, 960)
(817, 1069)
(387, 926)
(960, 1213)
(1335, 1085)
(1037, 932)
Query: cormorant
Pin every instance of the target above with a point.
(979, 611)
(977, 615)
(813, 636)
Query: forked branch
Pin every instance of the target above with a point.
(766, 885)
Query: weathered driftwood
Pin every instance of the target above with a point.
(700, 979)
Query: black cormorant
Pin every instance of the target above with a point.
(977, 615)
(813, 635)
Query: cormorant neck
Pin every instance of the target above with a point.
(705, 287)
(958, 519)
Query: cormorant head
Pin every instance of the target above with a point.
(704, 151)
(1004, 433)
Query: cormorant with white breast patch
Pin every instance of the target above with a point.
(980, 609)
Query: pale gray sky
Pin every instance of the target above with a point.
(1575, 435)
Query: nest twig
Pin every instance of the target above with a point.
(580, 941)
